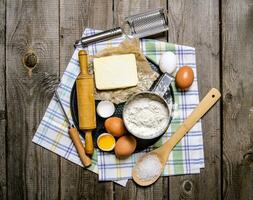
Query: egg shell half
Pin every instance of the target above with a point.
(106, 142)
(105, 109)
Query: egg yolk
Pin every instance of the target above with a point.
(106, 142)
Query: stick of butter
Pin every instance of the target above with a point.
(117, 71)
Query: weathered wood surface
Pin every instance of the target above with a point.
(221, 31)
(237, 82)
(32, 172)
(196, 23)
(3, 187)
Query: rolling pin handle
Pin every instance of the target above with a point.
(83, 60)
(89, 147)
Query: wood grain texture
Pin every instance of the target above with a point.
(76, 182)
(31, 25)
(122, 9)
(196, 23)
(50, 28)
(3, 183)
(237, 40)
(75, 17)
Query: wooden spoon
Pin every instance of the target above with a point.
(163, 152)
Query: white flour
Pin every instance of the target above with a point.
(146, 117)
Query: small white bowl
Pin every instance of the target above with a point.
(105, 109)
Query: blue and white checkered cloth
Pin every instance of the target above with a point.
(186, 158)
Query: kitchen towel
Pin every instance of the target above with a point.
(187, 157)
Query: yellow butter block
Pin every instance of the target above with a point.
(117, 71)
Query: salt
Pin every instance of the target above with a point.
(149, 167)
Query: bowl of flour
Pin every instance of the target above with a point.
(146, 115)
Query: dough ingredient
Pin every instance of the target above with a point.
(106, 142)
(168, 62)
(149, 167)
(184, 77)
(146, 75)
(115, 126)
(145, 117)
(125, 146)
(117, 71)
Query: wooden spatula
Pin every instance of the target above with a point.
(163, 152)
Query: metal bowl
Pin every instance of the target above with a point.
(153, 96)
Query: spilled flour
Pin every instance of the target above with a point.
(146, 117)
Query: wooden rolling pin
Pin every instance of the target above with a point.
(86, 102)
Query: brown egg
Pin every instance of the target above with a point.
(115, 126)
(125, 146)
(184, 77)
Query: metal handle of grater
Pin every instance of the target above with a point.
(99, 37)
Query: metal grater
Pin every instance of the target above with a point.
(148, 23)
(137, 26)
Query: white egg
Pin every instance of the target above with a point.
(105, 109)
(168, 62)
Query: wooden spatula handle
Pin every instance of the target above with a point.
(89, 147)
(207, 102)
(79, 147)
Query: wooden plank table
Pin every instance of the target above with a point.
(221, 31)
